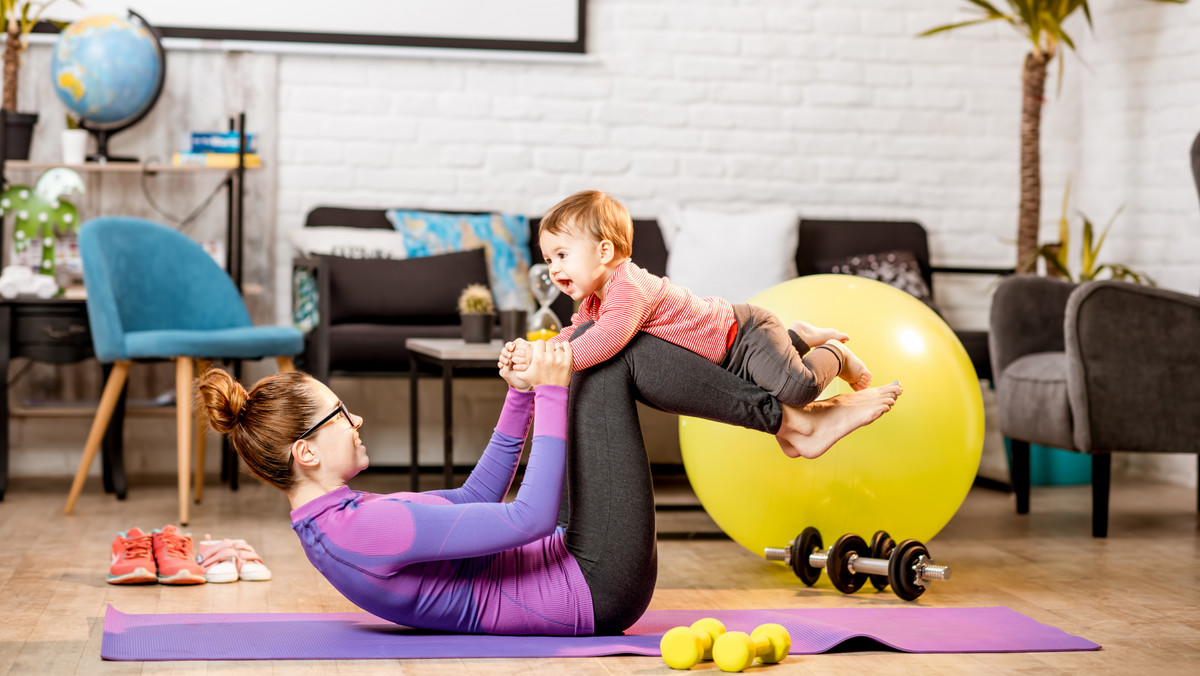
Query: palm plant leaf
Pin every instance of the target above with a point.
(1048, 254)
(987, 7)
(1120, 271)
(953, 26)
(1064, 228)
(1087, 257)
(1104, 233)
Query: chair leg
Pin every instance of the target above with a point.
(183, 430)
(108, 401)
(1019, 471)
(1101, 475)
(201, 434)
(285, 364)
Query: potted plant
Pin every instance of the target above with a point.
(1040, 22)
(476, 307)
(20, 16)
(1056, 254)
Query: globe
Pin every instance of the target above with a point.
(108, 72)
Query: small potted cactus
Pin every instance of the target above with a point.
(477, 309)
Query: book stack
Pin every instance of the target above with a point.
(217, 149)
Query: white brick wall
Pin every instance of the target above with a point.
(833, 108)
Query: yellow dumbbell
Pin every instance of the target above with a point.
(735, 651)
(684, 647)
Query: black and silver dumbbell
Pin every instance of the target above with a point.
(850, 562)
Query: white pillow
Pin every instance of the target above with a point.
(347, 242)
(733, 256)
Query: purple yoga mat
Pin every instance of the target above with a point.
(330, 636)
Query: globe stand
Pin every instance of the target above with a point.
(101, 155)
(102, 132)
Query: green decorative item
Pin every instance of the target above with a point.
(1040, 22)
(41, 216)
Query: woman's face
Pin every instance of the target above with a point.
(341, 449)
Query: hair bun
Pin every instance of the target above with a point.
(223, 398)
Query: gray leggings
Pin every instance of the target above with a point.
(609, 506)
(770, 355)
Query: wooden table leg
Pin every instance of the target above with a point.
(448, 416)
(5, 355)
(414, 467)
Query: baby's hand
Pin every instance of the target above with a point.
(515, 380)
(521, 354)
(506, 353)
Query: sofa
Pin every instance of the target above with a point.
(362, 325)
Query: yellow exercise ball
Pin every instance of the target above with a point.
(906, 473)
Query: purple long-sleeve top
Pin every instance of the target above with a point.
(463, 560)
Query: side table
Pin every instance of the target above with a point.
(55, 331)
(444, 356)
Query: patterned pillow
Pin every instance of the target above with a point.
(504, 237)
(305, 315)
(894, 268)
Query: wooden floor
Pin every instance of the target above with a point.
(1137, 593)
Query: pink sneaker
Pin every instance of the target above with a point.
(250, 564)
(219, 560)
(132, 558)
(176, 558)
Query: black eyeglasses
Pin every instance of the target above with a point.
(341, 408)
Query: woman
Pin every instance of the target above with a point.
(462, 560)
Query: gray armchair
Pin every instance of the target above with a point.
(1096, 368)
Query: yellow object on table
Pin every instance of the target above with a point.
(540, 334)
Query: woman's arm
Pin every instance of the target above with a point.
(493, 474)
(392, 533)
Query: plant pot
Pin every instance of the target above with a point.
(477, 328)
(74, 146)
(1050, 466)
(18, 134)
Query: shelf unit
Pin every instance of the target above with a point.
(234, 183)
(235, 195)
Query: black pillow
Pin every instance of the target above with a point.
(421, 290)
(894, 268)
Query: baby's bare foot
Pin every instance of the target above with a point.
(815, 428)
(814, 335)
(854, 371)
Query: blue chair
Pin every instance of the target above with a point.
(153, 294)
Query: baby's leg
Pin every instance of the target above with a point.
(764, 353)
(814, 336)
(813, 429)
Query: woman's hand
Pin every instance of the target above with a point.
(548, 365)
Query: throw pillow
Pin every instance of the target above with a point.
(504, 237)
(894, 268)
(305, 313)
(733, 256)
(348, 242)
(417, 290)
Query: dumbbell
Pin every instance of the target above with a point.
(684, 647)
(735, 651)
(850, 562)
